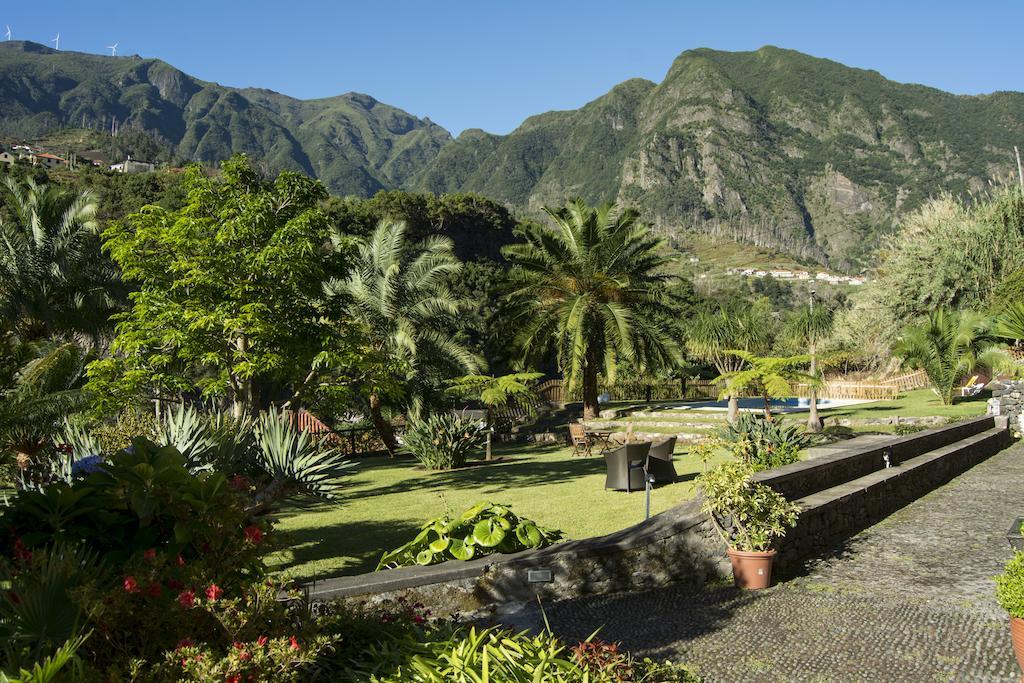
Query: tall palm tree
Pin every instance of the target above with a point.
(1009, 324)
(807, 327)
(398, 291)
(947, 346)
(769, 376)
(593, 287)
(713, 334)
(53, 277)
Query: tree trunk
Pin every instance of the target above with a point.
(734, 409)
(590, 407)
(768, 408)
(813, 421)
(383, 427)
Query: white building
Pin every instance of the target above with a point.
(130, 165)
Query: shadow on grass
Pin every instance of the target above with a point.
(338, 541)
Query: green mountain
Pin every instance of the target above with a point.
(352, 142)
(773, 148)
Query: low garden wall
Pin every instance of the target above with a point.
(680, 545)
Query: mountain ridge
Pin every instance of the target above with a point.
(773, 147)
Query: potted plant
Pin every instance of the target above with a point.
(749, 516)
(1010, 594)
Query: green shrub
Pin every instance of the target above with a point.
(483, 529)
(1010, 586)
(443, 441)
(747, 514)
(765, 444)
(905, 428)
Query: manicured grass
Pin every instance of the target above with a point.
(916, 403)
(384, 502)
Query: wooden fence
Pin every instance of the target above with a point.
(705, 389)
(913, 380)
(352, 441)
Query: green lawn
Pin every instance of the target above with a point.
(385, 501)
(916, 403)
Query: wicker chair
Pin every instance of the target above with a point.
(626, 467)
(659, 462)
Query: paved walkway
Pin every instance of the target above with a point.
(909, 599)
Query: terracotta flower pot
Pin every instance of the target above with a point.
(1017, 636)
(752, 570)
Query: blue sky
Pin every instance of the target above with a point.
(490, 64)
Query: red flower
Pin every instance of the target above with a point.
(150, 554)
(239, 483)
(131, 585)
(20, 551)
(244, 656)
(262, 641)
(186, 599)
(238, 646)
(293, 643)
(254, 534)
(181, 561)
(154, 590)
(233, 678)
(214, 592)
(184, 642)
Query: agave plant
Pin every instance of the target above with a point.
(188, 431)
(294, 459)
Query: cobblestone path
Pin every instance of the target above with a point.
(909, 599)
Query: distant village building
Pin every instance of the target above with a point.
(47, 160)
(94, 157)
(130, 165)
(782, 274)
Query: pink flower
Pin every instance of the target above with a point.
(150, 554)
(244, 656)
(262, 641)
(131, 585)
(186, 599)
(214, 592)
(181, 561)
(293, 643)
(254, 534)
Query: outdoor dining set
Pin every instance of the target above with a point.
(630, 465)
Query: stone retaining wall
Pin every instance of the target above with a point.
(1008, 401)
(680, 545)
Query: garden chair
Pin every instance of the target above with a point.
(659, 462)
(579, 438)
(626, 467)
(972, 388)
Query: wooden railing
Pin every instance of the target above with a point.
(852, 390)
(352, 441)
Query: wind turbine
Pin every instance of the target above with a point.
(8, 34)
(113, 49)
(56, 41)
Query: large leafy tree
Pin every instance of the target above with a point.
(947, 346)
(398, 291)
(227, 297)
(54, 280)
(808, 327)
(593, 286)
(713, 335)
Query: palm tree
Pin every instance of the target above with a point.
(713, 334)
(947, 346)
(41, 384)
(808, 326)
(54, 278)
(593, 287)
(398, 291)
(1009, 324)
(769, 376)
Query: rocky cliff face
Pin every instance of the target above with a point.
(772, 147)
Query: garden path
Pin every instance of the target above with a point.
(909, 599)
